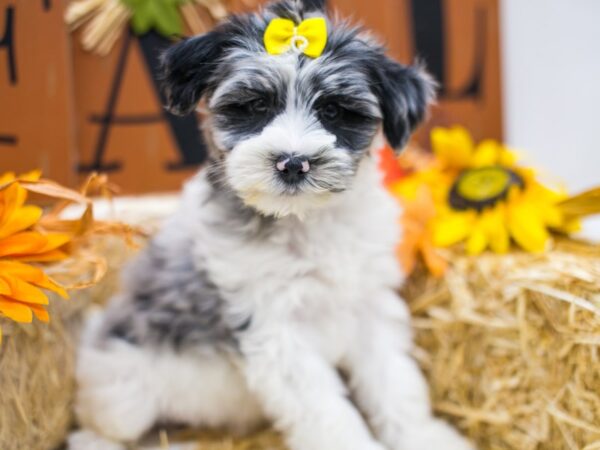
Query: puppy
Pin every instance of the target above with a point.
(278, 274)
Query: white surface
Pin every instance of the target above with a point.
(551, 71)
(143, 210)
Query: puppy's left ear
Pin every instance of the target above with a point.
(187, 67)
(404, 94)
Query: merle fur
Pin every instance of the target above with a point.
(173, 302)
(196, 66)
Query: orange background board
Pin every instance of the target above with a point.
(37, 110)
(62, 91)
(142, 150)
(467, 24)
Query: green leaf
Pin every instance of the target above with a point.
(168, 20)
(160, 15)
(141, 21)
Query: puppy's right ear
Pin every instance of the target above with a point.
(187, 67)
(404, 93)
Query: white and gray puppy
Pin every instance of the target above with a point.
(279, 273)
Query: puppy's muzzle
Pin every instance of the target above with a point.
(292, 169)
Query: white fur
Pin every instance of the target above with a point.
(317, 286)
(321, 294)
(250, 168)
(251, 171)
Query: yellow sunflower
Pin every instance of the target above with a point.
(491, 199)
(483, 197)
(21, 284)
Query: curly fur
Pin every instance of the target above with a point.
(252, 298)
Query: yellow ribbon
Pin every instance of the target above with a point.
(310, 37)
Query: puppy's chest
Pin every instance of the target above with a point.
(310, 268)
(321, 284)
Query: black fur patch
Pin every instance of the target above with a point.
(404, 93)
(349, 91)
(198, 65)
(187, 68)
(250, 106)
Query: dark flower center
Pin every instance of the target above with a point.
(482, 187)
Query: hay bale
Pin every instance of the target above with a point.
(36, 383)
(510, 345)
(266, 440)
(204, 440)
(37, 360)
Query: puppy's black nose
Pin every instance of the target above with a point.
(292, 169)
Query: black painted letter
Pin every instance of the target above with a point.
(7, 41)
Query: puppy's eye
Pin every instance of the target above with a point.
(259, 106)
(330, 112)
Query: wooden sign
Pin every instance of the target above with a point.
(70, 112)
(123, 129)
(459, 42)
(36, 98)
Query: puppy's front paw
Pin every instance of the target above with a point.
(435, 434)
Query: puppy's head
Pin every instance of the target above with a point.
(288, 131)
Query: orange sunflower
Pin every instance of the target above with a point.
(22, 285)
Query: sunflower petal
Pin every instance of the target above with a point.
(477, 241)
(12, 199)
(55, 240)
(583, 204)
(33, 275)
(453, 146)
(570, 226)
(33, 175)
(6, 178)
(34, 246)
(454, 227)
(527, 229)
(51, 256)
(4, 287)
(53, 286)
(20, 220)
(16, 311)
(24, 271)
(25, 292)
(407, 254)
(22, 243)
(14, 196)
(552, 216)
(499, 239)
(507, 157)
(495, 224)
(40, 313)
(436, 264)
(486, 154)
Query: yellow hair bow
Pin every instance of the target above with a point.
(310, 37)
